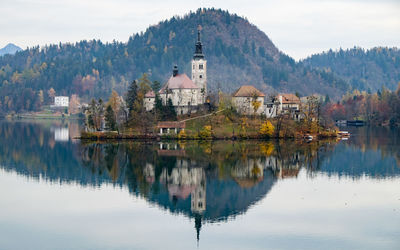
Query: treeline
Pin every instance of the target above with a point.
(363, 69)
(92, 68)
(380, 108)
(128, 112)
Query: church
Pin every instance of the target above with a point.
(186, 94)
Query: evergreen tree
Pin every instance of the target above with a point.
(156, 86)
(327, 99)
(110, 119)
(171, 113)
(131, 96)
(159, 108)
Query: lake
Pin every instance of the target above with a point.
(60, 193)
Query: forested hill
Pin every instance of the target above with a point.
(237, 52)
(363, 69)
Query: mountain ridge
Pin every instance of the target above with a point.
(10, 48)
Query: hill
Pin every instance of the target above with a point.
(9, 49)
(238, 53)
(362, 69)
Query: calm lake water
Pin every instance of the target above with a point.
(60, 193)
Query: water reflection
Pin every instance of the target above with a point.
(207, 181)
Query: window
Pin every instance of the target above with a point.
(200, 76)
(200, 66)
(194, 67)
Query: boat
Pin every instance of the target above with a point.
(308, 137)
(344, 133)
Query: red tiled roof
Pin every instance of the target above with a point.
(180, 81)
(150, 94)
(171, 125)
(289, 98)
(248, 91)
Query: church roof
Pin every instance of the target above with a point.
(150, 94)
(180, 81)
(248, 91)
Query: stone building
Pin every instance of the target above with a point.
(186, 94)
(244, 99)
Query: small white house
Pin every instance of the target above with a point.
(61, 101)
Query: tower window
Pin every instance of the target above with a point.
(200, 66)
(194, 67)
(200, 76)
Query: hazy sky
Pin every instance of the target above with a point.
(297, 27)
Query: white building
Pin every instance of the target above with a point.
(288, 104)
(270, 109)
(244, 100)
(186, 94)
(61, 101)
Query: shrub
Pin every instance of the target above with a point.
(205, 133)
(267, 129)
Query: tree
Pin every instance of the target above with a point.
(267, 129)
(52, 93)
(159, 109)
(131, 96)
(74, 103)
(255, 103)
(327, 99)
(170, 110)
(41, 97)
(110, 118)
(114, 101)
(156, 86)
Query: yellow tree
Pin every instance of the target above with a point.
(114, 101)
(41, 97)
(52, 93)
(73, 107)
(255, 103)
(267, 129)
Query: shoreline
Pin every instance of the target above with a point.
(113, 136)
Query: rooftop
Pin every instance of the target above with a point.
(248, 91)
(289, 98)
(180, 81)
(171, 125)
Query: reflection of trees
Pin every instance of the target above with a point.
(212, 179)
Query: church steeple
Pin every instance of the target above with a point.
(199, 68)
(198, 54)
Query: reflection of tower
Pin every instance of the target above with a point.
(198, 198)
(197, 225)
(198, 195)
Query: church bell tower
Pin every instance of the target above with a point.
(199, 69)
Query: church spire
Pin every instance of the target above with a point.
(198, 54)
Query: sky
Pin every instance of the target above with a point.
(299, 28)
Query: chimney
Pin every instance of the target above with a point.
(175, 71)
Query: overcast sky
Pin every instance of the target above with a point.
(297, 27)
